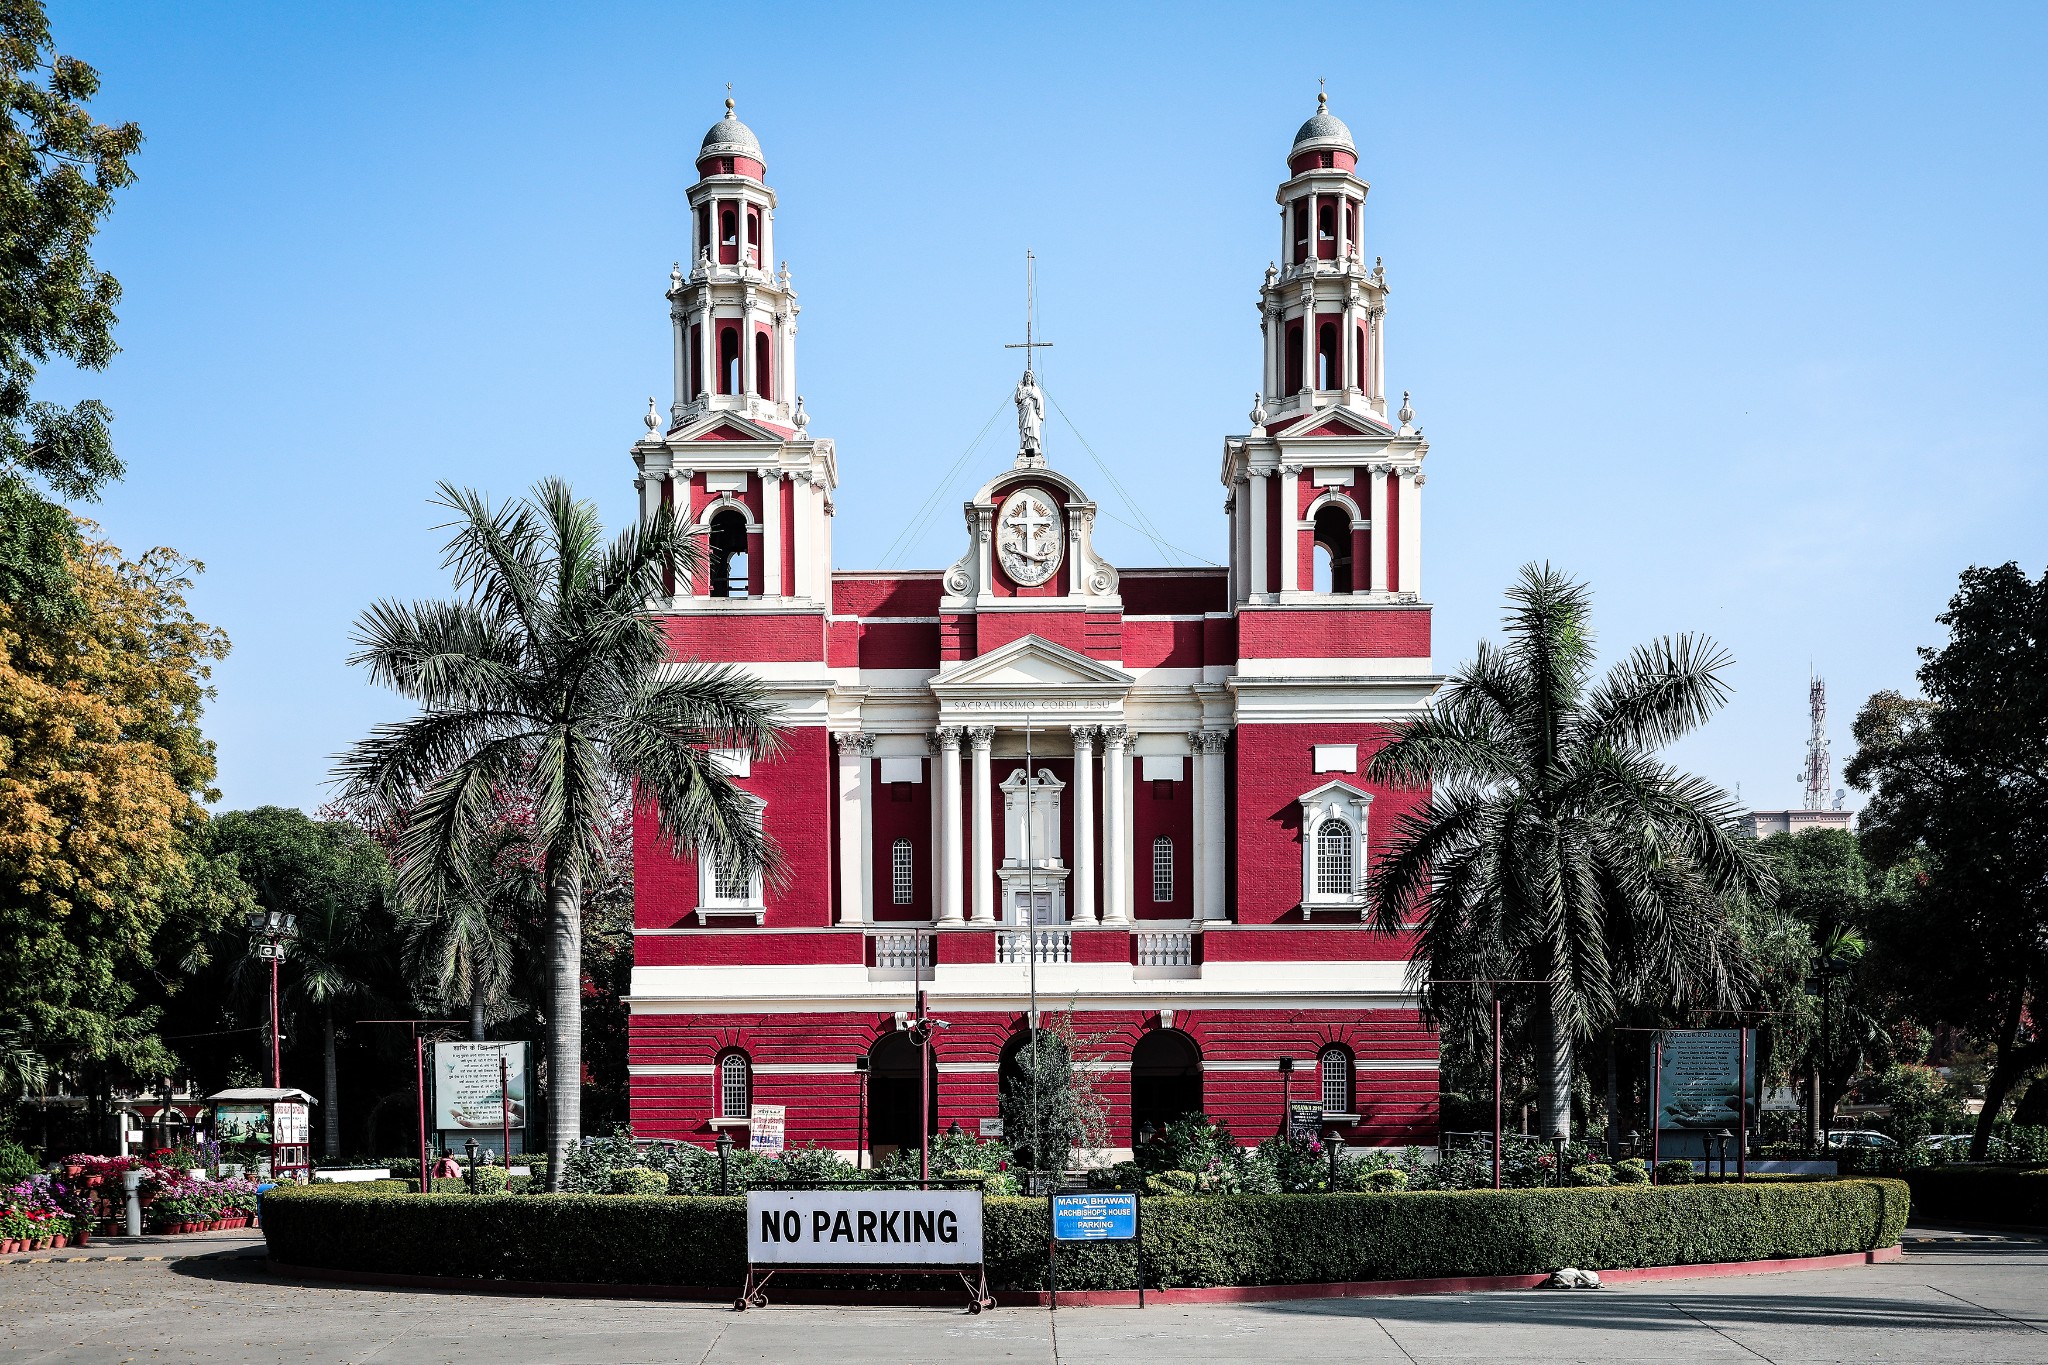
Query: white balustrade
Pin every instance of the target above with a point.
(1052, 945)
(1166, 950)
(903, 952)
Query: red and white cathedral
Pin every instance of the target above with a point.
(1161, 769)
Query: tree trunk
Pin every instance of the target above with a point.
(476, 1013)
(1555, 1077)
(1613, 1101)
(330, 1121)
(2004, 1073)
(565, 1017)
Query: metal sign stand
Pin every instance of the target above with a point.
(973, 1274)
(1052, 1245)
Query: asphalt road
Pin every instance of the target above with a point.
(1979, 1299)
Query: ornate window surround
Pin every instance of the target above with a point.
(1333, 801)
(710, 905)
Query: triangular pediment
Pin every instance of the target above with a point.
(1032, 661)
(1335, 788)
(728, 426)
(1338, 422)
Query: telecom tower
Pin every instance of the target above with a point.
(1819, 769)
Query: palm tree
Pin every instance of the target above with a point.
(548, 675)
(1556, 847)
(464, 947)
(332, 962)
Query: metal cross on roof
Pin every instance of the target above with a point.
(1028, 345)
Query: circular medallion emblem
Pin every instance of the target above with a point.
(1028, 538)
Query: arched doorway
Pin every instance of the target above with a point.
(1166, 1080)
(894, 1097)
(729, 568)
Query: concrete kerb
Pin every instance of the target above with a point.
(1091, 1298)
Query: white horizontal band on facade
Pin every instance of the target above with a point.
(1244, 1002)
(759, 1069)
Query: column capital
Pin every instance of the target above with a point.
(945, 737)
(1113, 736)
(1085, 736)
(853, 742)
(1209, 741)
(980, 737)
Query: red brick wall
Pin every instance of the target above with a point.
(1350, 633)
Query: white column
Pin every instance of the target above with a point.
(981, 552)
(983, 899)
(679, 318)
(749, 383)
(1290, 536)
(653, 477)
(1115, 870)
(1411, 530)
(707, 340)
(771, 533)
(856, 829)
(1084, 824)
(949, 825)
(1376, 566)
(1198, 795)
(800, 533)
(1376, 337)
(1258, 534)
(679, 480)
(789, 355)
(1215, 848)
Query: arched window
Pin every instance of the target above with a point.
(1162, 871)
(1364, 362)
(703, 228)
(753, 237)
(901, 871)
(693, 381)
(1329, 363)
(729, 570)
(1300, 231)
(1334, 1067)
(1294, 378)
(728, 237)
(1333, 546)
(735, 1086)
(762, 384)
(1326, 230)
(728, 360)
(1334, 872)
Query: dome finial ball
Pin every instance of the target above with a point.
(728, 106)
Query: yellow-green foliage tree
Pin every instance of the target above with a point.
(102, 772)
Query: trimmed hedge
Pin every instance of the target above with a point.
(1243, 1239)
(1980, 1194)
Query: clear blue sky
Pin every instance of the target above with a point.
(1736, 312)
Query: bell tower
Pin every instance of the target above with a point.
(734, 457)
(1325, 502)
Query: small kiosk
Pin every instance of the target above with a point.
(272, 1128)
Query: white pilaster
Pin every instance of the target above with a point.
(707, 339)
(1376, 565)
(1377, 339)
(679, 481)
(800, 500)
(749, 382)
(1258, 534)
(1290, 536)
(1212, 745)
(948, 739)
(1411, 530)
(983, 871)
(856, 829)
(1084, 824)
(771, 533)
(679, 321)
(1116, 818)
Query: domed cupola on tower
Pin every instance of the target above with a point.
(1323, 143)
(732, 149)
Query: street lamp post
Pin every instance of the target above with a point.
(272, 930)
(724, 1145)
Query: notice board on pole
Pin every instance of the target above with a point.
(864, 1227)
(468, 1096)
(1703, 1087)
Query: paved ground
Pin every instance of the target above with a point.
(1974, 1298)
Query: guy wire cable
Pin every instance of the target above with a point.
(924, 512)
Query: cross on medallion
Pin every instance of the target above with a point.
(1031, 521)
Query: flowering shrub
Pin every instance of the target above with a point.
(42, 1206)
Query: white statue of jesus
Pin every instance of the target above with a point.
(1030, 417)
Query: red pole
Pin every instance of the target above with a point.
(276, 1065)
(1742, 1107)
(419, 1077)
(1496, 1091)
(923, 1039)
(1656, 1103)
(505, 1103)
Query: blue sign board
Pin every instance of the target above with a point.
(1094, 1217)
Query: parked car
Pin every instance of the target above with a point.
(1957, 1146)
(1860, 1137)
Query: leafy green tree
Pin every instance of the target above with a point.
(1050, 1102)
(336, 880)
(1556, 846)
(1959, 783)
(548, 676)
(58, 174)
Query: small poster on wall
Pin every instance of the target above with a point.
(764, 1128)
(1305, 1120)
(293, 1123)
(240, 1123)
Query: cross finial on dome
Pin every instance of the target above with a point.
(1322, 96)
